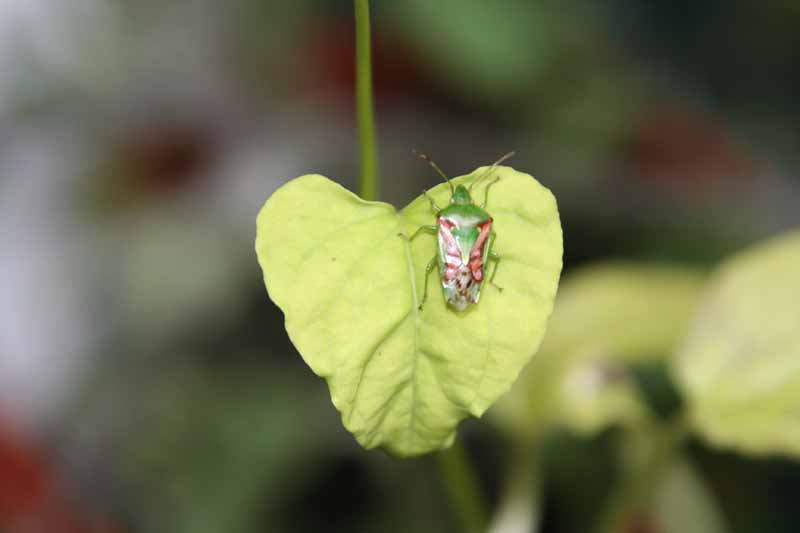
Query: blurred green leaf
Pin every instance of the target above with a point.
(349, 287)
(498, 49)
(175, 272)
(596, 393)
(740, 365)
(223, 448)
(606, 316)
(632, 311)
(500, 54)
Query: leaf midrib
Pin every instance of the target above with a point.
(414, 309)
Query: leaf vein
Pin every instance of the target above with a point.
(370, 357)
(413, 378)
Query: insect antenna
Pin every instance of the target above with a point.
(488, 171)
(436, 168)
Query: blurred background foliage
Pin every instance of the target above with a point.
(146, 381)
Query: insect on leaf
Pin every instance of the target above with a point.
(350, 286)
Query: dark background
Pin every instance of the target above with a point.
(146, 381)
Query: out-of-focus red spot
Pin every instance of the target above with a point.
(639, 523)
(151, 160)
(30, 500)
(328, 60)
(164, 156)
(23, 478)
(674, 145)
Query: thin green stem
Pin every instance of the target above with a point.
(463, 488)
(368, 184)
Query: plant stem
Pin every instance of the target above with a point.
(462, 486)
(368, 184)
(641, 480)
(520, 509)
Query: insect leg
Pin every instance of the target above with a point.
(486, 192)
(432, 229)
(435, 207)
(428, 269)
(496, 258)
(489, 254)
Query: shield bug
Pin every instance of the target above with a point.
(465, 239)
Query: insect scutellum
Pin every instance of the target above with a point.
(465, 239)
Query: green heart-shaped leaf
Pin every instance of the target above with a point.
(740, 365)
(350, 286)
